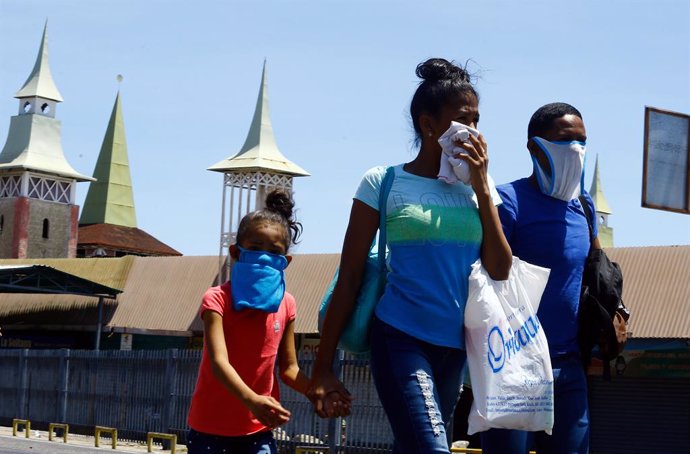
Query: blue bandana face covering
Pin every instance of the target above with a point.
(258, 280)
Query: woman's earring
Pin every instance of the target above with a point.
(430, 134)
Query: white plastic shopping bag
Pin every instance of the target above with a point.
(507, 353)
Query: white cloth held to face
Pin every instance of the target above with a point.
(454, 169)
(567, 173)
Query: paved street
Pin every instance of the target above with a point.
(77, 444)
(18, 445)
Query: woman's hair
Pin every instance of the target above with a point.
(543, 118)
(279, 210)
(442, 82)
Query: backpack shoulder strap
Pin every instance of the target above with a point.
(588, 215)
(386, 185)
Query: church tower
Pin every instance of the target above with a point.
(38, 214)
(254, 171)
(602, 209)
(108, 223)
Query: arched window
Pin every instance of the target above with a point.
(46, 228)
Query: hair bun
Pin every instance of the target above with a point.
(280, 202)
(435, 69)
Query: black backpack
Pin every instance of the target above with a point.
(602, 316)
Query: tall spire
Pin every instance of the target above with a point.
(597, 193)
(40, 81)
(110, 199)
(260, 151)
(34, 139)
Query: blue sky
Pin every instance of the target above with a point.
(341, 76)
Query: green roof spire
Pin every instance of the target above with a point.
(40, 82)
(110, 199)
(597, 193)
(260, 151)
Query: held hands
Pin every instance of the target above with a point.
(268, 411)
(477, 159)
(329, 396)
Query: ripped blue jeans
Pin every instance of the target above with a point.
(418, 384)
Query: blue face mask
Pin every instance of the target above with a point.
(258, 281)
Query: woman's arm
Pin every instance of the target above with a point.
(266, 409)
(287, 361)
(496, 254)
(362, 227)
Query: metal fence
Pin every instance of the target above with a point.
(150, 390)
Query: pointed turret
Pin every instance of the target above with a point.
(258, 168)
(260, 152)
(40, 82)
(108, 223)
(34, 140)
(597, 193)
(37, 184)
(110, 199)
(601, 206)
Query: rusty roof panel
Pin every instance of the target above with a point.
(164, 293)
(111, 272)
(656, 288)
(307, 278)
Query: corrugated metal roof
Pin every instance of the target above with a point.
(46, 279)
(164, 293)
(121, 238)
(111, 272)
(307, 278)
(656, 288)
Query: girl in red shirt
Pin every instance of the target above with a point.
(248, 325)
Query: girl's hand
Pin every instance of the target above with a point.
(268, 411)
(329, 396)
(478, 160)
(337, 405)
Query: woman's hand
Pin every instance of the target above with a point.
(268, 411)
(496, 254)
(477, 158)
(329, 396)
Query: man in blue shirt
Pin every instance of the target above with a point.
(545, 224)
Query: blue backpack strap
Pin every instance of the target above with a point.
(383, 200)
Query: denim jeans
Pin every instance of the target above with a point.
(571, 418)
(418, 384)
(258, 443)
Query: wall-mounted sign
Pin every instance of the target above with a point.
(126, 341)
(666, 166)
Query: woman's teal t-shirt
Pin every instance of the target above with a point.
(434, 236)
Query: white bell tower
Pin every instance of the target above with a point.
(251, 173)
